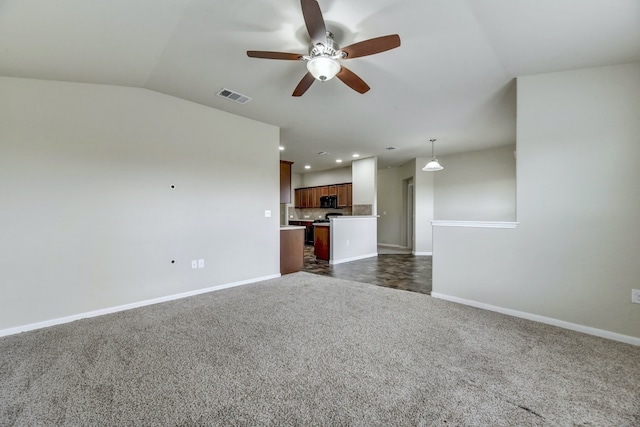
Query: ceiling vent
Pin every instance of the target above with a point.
(234, 96)
(390, 148)
(322, 153)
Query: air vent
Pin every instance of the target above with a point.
(234, 96)
(323, 153)
(390, 148)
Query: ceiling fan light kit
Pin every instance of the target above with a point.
(323, 60)
(323, 68)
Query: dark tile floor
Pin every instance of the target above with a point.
(399, 271)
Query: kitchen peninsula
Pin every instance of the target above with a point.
(347, 238)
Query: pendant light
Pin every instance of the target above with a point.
(433, 165)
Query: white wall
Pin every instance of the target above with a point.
(353, 238)
(477, 186)
(574, 256)
(329, 177)
(89, 219)
(423, 187)
(365, 182)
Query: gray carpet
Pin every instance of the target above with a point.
(313, 350)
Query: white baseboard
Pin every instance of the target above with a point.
(543, 319)
(109, 310)
(422, 253)
(355, 258)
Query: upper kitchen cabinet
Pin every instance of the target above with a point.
(285, 181)
(310, 197)
(344, 195)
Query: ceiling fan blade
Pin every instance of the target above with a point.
(314, 21)
(372, 46)
(352, 80)
(304, 84)
(274, 55)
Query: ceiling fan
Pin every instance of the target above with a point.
(323, 60)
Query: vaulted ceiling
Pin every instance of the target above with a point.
(451, 79)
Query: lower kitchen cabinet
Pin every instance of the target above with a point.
(322, 243)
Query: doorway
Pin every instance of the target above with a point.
(408, 213)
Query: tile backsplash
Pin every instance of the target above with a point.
(362, 210)
(314, 213)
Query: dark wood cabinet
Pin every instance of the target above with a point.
(321, 242)
(308, 232)
(315, 197)
(344, 195)
(310, 197)
(291, 250)
(285, 181)
(298, 197)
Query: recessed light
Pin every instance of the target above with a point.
(338, 160)
(281, 148)
(307, 167)
(355, 155)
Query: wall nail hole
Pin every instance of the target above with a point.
(173, 186)
(173, 261)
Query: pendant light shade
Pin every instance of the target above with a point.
(433, 165)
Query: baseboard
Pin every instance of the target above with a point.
(389, 245)
(542, 319)
(355, 258)
(109, 310)
(422, 253)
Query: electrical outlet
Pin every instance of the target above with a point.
(267, 213)
(194, 263)
(200, 263)
(635, 296)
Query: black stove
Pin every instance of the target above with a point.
(327, 218)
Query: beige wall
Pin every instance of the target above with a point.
(477, 186)
(89, 218)
(365, 183)
(318, 179)
(573, 258)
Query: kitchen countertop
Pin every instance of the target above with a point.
(292, 227)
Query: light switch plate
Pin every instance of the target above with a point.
(194, 263)
(200, 263)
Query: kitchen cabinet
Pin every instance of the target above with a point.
(285, 181)
(298, 197)
(308, 232)
(321, 242)
(310, 197)
(302, 198)
(291, 249)
(315, 197)
(344, 195)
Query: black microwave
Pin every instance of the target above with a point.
(329, 202)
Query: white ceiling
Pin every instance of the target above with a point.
(451, 79)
